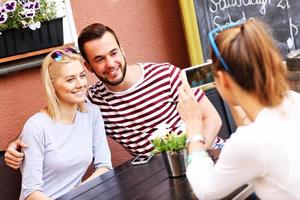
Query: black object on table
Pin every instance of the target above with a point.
(149, 181)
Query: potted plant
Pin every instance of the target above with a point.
(172, 148)
(29, 25)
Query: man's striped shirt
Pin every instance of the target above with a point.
(131, 116)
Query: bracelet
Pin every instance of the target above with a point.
(194, 138)
(198, 153)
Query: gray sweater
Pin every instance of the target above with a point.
(59, 154)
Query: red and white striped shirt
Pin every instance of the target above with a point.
(131, 116)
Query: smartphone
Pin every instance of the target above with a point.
(199, 75)
(141, 159)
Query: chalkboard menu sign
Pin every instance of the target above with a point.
(282, 16)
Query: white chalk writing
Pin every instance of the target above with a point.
(221, 7)
(225, 4)
(293, 33)
(218, 21)
(282, 5)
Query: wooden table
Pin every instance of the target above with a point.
(149, 181)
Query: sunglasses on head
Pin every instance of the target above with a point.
(58, 55)
(212, 35)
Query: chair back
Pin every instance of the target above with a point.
(228, 123)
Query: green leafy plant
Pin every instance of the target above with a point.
(16, 14)
(165, 141)
(170, 142)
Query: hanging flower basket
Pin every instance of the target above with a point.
(30, 25)
(18, 41)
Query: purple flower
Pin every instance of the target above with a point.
(3, 17)
(23, 13)
(30, 14)
(29, 5)
(10, 6)
(36, 4)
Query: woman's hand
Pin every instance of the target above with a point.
(188, 108)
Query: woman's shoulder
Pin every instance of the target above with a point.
(35, 125)
(90, 107)
(92, 110)
(38, 118)
(287, 112)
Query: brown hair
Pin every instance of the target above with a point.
(254, 61)
(93, 32)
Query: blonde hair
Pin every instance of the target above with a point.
(49, 72)
(254, 61)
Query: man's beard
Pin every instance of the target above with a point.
(108, 82)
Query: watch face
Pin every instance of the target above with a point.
(195, 138)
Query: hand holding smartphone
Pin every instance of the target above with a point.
(141, 159)
(198, 75)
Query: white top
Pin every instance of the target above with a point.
(59, 154)
(265, 154)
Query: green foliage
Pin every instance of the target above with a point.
(170, 142)
(46, 12)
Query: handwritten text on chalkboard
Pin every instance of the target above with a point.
(283, 16)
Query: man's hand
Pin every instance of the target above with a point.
(13, 156)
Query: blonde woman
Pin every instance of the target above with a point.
(248, 72)
(66, 136)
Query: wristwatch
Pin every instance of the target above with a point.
(194, 138)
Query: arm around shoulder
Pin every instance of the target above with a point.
(13, 156)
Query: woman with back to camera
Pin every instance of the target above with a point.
(248, 72)
(65, 136)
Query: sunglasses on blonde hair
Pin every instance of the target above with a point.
(212, 35)
(58, 55)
